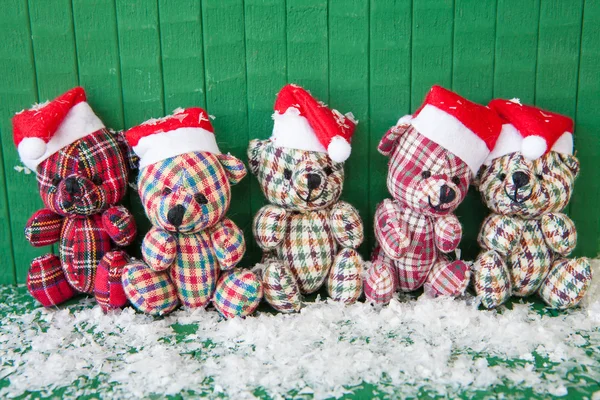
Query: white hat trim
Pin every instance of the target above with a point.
(508, 142)
(79, 122)
(450, 133)
(564, 144)
(292, 130)
(162, 145)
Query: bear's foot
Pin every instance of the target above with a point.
(108, 287)
(448, 278)
(280, 288)
(491, 278)
(46, 281)
(149, 291)
(345, 281)
(567, 283)
(238, 293)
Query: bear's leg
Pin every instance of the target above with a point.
(491, 279)
(381, 279)
(108, 287)
(345, 281)
(280, 288)
(149, 291)
(46, 281)
(567, 283)
(448, 278)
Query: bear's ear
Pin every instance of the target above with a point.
(130, 157)
(571, 162)
(234, 168)
(475, 180)
(255, 147)
(389, 140)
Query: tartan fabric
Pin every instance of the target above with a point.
(448, 278)
(491, 279)
(159, 249)
(108, 288)
(380, 282)
(149, 291)
(280, 288)
(559, 232)
(566, 283)
(235, 169)
(46, 281)
(500, 233)
(43, 228)
(238, 293)
(120, 225)
(229, 244)
(345, 280)
(269, 226)
(391, 231)
(448, 232)
(346, 225)
(388, 142)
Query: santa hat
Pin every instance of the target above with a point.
(185, 131)
(302, 122)
(46, 128)
(531, 130)
(466, 129)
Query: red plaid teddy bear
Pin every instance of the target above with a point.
(82, 171)
(433, 155)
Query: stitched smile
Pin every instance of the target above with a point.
(437, 208)
(308, 199)
(513, 198)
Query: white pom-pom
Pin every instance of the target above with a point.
(533, 147)
(339, 149)
(31, 148)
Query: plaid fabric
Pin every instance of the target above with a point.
(149, 291)
(238, 293)
(388, 142)
(566, 283)
(491, 279)
(448, 233)
(379, 283)
(43, 228)
(120, 225)
(108, 287)
(560, 233)
(280, 288)
(345, 281)
(500, 233)
(228, 242)
(235, 169)
(46, 281)
(346, 225)
(308, 248)
(391, 231)
(159, 249)
(448, 278)
(196, 270)
(269, 226)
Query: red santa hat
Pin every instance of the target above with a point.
(46, 128)
(531, 130)
(186, 130)
(466, 129)
(302, 122)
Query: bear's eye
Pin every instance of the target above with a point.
(456, 180)
(425, 174)
(539, 176)
(200, 198)
(287, 173)
(56, 180)
(166, 191)
(502, 176)
(328, 170)
(96, 180)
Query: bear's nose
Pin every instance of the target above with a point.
(520, 179)
(71, 185)
(313, 180)
(447, 194)
(175, 215)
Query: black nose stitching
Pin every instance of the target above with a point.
(71, 185)
(520, 179)
(314, 181)
(447, 194)
(175, 215)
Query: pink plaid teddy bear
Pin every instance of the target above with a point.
(433, 155)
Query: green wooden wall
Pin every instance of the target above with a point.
(141, 59)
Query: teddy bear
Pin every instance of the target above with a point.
(526, 183)
(184, 185)
(307, 234)
(82, 171)
(433, 153)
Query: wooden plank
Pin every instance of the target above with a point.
(516, 49)
(390, 33)
(307, 46)
(18, 90)
(584, 204)
(266, 69)
(225, 63)
(349, 92)
(182, 53)
(473, 78)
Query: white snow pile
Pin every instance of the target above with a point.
(441, 346)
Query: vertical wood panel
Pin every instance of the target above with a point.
(349, 92)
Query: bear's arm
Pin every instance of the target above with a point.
(43, 228)
(447, 233)
(228, 242)
(391, 231)
(159, 249)
(500, 233)
(269, 227)
(346, 225)
(559, 232)
(120, 225)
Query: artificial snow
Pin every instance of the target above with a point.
(442, 346)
